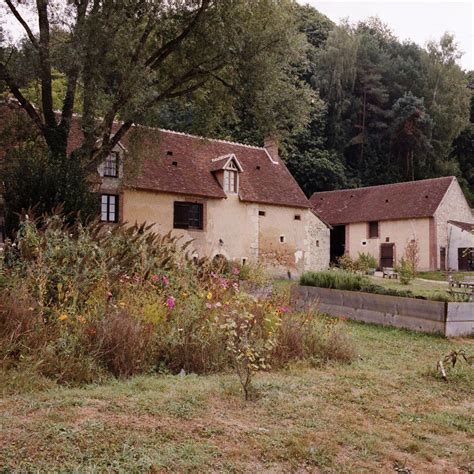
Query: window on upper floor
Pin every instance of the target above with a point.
(111, 165)
(109, 208)
(231, 179)
(373, 229)
(188, 215)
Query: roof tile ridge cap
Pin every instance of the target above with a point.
(399, 183)
(190, 135)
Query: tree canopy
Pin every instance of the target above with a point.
(351, 104)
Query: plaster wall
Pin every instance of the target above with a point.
(238, 231)
(398, 232)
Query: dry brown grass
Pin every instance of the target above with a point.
(388, 409)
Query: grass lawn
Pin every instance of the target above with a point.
(443, 276)
(416, 286)
(387, 410)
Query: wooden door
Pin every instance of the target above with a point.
(442, 258)
(386, 255)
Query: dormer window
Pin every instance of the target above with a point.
(111, 165)
(231, 178)
(230, 181)
(227, 169)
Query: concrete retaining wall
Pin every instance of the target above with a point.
(449, 319)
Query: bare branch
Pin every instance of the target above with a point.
(161, 54)
(30, 110)
(23, 23)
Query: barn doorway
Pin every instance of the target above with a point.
(387, 253)
(466, 259)
(338, 242)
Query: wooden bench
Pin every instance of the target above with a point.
(389, 272)
(466, 282)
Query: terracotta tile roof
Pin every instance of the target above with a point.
(181, 163)
(468, 227)
(376, 203)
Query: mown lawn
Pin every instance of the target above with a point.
(388, 410)
(443, 276)
(418, 287)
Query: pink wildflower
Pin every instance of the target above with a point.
(170, 303)
(235, 271)
(155, 278)
(284, 309)
(209, 305)
(166, 280)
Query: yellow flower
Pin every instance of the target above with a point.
(62, 317)
(121, 303)
(209, 296)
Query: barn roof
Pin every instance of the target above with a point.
(386, 202)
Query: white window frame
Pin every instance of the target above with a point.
(109, 207)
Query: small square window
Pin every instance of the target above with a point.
(317, 243)
(297, 217)
(262, 213)
(387, 239)
(282, 239)
(244, 260)
(373, 229)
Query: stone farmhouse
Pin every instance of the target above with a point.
(232, 200)
(381, 221)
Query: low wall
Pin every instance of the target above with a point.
(449, 319)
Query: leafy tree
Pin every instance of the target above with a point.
(463, 149)
(130, 57)
(33, 178)
(410, 134)
(446, 94)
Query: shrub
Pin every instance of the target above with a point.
(336, 279)
(412, 256)
(366, 261)
(405, 270)
(122, 343)
(84, 302)
(347, 263)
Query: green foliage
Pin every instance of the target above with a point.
(347, 263)
(343, 280)
(35, 179)
(405, 271)
(366, 261)
(82, 302)
(336, 279)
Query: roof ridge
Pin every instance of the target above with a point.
(190, 135)
(399, 183)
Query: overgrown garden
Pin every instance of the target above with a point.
(84, 302)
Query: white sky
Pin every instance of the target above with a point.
(419, 21)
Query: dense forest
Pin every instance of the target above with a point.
(381, 110)
(350, 104)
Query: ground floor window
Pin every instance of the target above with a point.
(188, 215)
(109, 207)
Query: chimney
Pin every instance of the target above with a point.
(270, 143)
